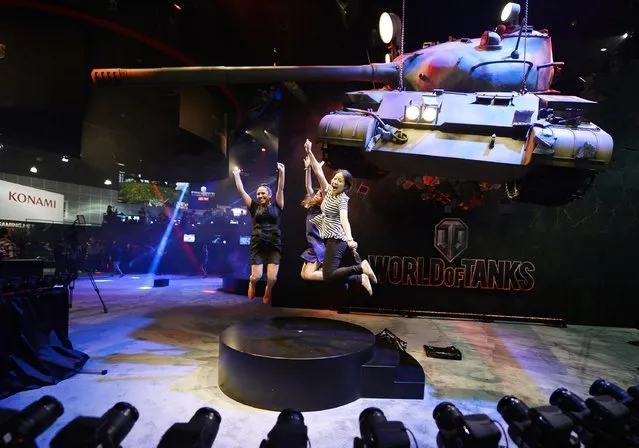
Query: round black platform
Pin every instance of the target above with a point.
(305, 363)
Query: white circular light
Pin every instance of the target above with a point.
(624, 36)
(412, 113)
(386, 30)
(33, 169)
(107, 182)
(506, 11)
(510, 12)
(387, 58)
(429, 114)
(203, 189)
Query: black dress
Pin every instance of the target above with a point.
(266, 238)
(317, 247)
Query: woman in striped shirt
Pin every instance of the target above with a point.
(335, 228)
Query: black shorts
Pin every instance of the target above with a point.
(265, 257)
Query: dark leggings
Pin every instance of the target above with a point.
(335, 250)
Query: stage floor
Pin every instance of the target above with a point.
(160, 346)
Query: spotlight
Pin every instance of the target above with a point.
(389, 27)
(429, 114)
(624, 36)
(21, 428)
(598, 421)
(107, 431)
(541, 427)
(263, 149)
(629, 399)
(603, 387)
(411, 113)
(65, 159)
(458, 431)
(199, 432)
(33, 169)
(289, 431)
(510, 13)
(377, 432)
(107, 182)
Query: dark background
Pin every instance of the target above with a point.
(584, 253)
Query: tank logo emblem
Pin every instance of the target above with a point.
(451, 238)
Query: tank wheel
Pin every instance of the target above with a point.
(551, 185)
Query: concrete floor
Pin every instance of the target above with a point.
(160, 346)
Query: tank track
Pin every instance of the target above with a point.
(551, 186)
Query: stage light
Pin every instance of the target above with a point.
(199, 432)
(377, 432)
(21, 428)
(429, 114)
(624, 36)
(458, 430)
(65, 159)
(411, 113)
(388, 58)
(599, 421)
(544, 426)
(389, 27)
(33, 169)
(604, 49)
(107, 182)
(289, 431)
(602, 387)
(510, 13)
(107, 431)
(629, 399)
(263, 149)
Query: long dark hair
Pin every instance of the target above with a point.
(313, 200)
(348, 180)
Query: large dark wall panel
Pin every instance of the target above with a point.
(43, 82)
(140, 127)
(574, 262)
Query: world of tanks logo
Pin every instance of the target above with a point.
(451, 239)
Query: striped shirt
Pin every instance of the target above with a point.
(328, 223)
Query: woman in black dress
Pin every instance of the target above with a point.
(313, 256)
(266, 238)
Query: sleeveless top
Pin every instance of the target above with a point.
(328, 222)
(266, 225)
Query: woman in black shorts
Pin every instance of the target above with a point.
(266, 238)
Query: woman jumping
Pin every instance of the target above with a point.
(335, 229)
(266, 237)
(313, 256)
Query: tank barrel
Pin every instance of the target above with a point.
(210, 76)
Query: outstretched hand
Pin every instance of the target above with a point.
(236, 171)
(280, 167)
(308, 145)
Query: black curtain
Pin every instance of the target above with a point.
(35, 349)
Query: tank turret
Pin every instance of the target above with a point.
(477, 110)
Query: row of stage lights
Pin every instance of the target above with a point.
(34, 284)
(609, 419)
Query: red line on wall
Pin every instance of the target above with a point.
(122, 30)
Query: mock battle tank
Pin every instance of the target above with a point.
(476, 110)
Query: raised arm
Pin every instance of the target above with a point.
(307, 174)
(240, 188)
(279, 195)
(317, 168)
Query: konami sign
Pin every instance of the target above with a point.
(20, 203)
